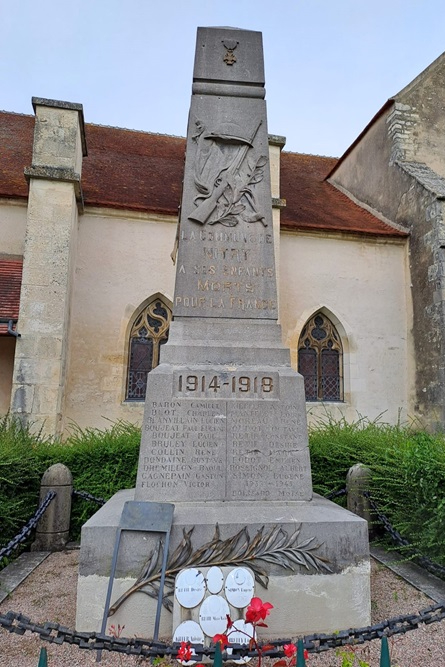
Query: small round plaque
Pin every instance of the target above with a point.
(215, 579)
(240, 634)
(240, 586)
(188, 631)
(190, 587)
(213, 615)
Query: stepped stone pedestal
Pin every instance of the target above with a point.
(224, 434)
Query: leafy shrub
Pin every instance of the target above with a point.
(20, 477)
(101, 462)
(407, 466)
(408, 474)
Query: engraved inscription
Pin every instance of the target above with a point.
(187, 448)
(267, 459)
(232, 303)
(226, 264)
(226, 385)
(229, 274)
(217, 439)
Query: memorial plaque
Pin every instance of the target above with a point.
(190, 587)
(214, 579)
(240, 587)
(189, 631)
(241, 633)
(213, 615)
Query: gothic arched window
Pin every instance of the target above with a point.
(148, 333)
(320, 360)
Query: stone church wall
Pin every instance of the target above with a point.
(71, 362)
(421, 118)
(122, 259)
(397, 169)
(12, 228)
(361, 285)
(369, 175)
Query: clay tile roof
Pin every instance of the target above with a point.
(314, 204)
(16, 137)
(133, 170)
(140, 171)
(10, 283)
(143, 171)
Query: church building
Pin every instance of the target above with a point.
(88, 222)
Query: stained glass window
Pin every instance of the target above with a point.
(320, 360)
(148, 333)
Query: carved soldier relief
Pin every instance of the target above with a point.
(227, 168)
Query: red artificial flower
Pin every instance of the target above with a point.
(116, 632)
(222, 639)
(184, 651)
(289, 650)
(257, 611)
(229, 622)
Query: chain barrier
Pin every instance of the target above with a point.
(28, 527)
(425, 562)
(336, 494)
(24, 533)
(314, 643)
(88, 496)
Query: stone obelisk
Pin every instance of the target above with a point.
(225, 415)
(224, 434)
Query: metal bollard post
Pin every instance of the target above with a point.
(357, 481)
(53, 528)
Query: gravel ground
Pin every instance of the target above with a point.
(49, 594)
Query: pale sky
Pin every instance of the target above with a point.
(330, 64)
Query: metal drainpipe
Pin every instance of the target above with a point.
(12, 331)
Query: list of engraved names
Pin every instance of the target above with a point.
(266, 457)
(187, 449)
(208, 450)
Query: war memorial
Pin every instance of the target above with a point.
(224, 435)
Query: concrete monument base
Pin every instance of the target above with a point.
(305, 601)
